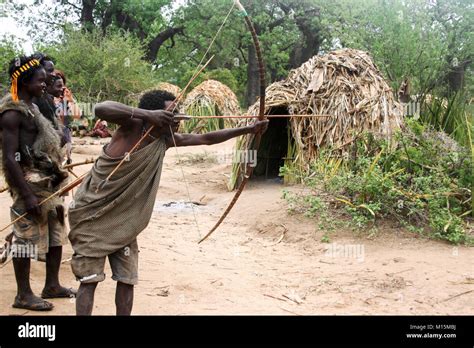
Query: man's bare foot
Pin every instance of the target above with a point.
(58, 292)
(33, 303)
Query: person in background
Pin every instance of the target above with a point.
(67, 111)
(101, 129)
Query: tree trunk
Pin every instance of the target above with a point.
(306, 48)
(127, 22)
(455, 76)
(310, 38)
(87, 14)
(253, 83)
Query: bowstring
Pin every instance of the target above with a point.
(174, 108)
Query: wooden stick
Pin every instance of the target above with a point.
(5, 263)
(462, 293)
(74, 174)
(65, 189)
(72, 165)
(275, 297)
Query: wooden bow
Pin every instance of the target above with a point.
(261, 116)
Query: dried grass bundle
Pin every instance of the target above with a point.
(165, 86)
(134, 98)
(345, 84)
(210, 98)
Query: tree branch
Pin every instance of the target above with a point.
(155, 44)
(72, 5)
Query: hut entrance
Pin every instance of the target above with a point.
(273, 146)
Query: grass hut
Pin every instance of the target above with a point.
(134, 98)
(210, 98)
(345, 85)
(169, 87)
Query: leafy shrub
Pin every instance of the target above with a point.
(425, 181)
(102, 67)
(8, 50)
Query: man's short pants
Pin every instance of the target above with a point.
(33, 239)
(123, 262)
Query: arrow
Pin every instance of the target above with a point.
(182, 117)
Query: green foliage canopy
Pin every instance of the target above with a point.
(101, 67)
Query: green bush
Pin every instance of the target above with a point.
(102, 67)
(452, 115)
(8, 50)
(424, 182)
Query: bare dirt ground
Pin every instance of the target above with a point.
(262, 260)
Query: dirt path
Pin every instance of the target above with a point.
(264, 261)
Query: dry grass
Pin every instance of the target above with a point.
(210, 98)
(134, 98)
(344, 84)
(165, 86)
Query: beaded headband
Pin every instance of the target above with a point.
(17, 73)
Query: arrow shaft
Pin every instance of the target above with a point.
(190, 117)
(65, 189)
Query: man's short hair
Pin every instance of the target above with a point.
(155, 99)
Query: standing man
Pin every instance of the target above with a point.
(45, 102)
(53, 91)
(32, 169)
(67, 112)
(106, 217)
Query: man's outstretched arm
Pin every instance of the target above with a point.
(217, 136)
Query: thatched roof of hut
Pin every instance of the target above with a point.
(345, 85)
(212, 92)
(210, 98)
(134, 98)
(169, 87)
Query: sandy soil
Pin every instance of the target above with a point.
(263, 260)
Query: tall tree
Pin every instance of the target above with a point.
(143, 18)
(428, 42)
(290, 33)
